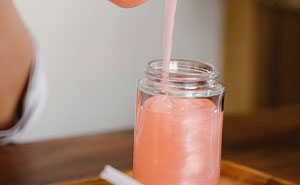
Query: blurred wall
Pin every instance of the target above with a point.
(93, 53)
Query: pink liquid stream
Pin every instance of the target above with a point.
(168, 33)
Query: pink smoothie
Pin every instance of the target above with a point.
(177, 141)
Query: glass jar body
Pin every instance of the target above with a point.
(178, 130)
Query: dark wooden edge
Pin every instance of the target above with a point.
(239, 171)
(229, 169)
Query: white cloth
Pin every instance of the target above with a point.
(32, 104)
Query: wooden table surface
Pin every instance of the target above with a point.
(268, 141)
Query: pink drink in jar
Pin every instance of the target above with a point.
(178, 131)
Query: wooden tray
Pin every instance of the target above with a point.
(231, 174)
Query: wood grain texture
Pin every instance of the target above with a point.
(231, 174)
(289, 5)
(268, 141)
(235, 174)
(261, 54)
(65, 159)
(278, 55)
(240, 55)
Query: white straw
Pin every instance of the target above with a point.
(116, 177)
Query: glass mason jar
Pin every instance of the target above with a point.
(178, 129)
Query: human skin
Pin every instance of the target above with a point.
(16, 54)
(128, 3)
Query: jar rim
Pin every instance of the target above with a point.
(182, 68)
(186, 78)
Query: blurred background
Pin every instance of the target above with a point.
(94, 52)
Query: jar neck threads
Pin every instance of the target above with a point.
(183, 77)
